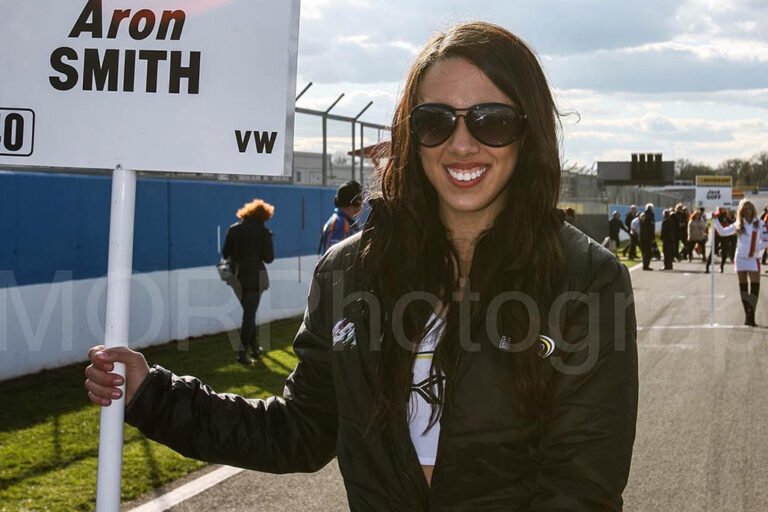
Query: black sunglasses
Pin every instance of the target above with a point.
(492, 124)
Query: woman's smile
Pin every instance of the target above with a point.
(466, 175)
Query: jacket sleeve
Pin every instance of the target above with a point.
(228, 249)
(325, 234)
(724, 230)
(586, 439)
(292, 433)
(267, 248)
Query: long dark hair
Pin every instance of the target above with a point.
(407, 248)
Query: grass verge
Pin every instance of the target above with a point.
(49, 431)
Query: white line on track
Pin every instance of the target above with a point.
(671, 346)
(688, 327)
(188, 490)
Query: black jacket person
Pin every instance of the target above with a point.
(669, 238)
(491, 456)
(528, 328)
(647, 235)
(249, 246)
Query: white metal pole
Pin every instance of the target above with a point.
(712, 271)
(119, 269)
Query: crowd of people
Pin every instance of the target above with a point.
(740, 236)
(684, 235)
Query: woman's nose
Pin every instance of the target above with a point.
(462, 142)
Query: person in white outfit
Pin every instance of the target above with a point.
(749, 228)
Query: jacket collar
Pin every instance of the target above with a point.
(341, 213)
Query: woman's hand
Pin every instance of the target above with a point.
(102, 385)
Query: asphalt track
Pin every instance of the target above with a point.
(702, 432)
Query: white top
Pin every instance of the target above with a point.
(423, 395)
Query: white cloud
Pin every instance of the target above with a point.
(686, 77)
(661, 68)
(679, 129)
(364, 41)
(727, 49)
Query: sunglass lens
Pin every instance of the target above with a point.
(495, 125)
(432, 124)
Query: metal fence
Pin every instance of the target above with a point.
(357, 128)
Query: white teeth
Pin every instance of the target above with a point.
(467, 174)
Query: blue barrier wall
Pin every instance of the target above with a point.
(60, 222)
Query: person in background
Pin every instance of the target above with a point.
(614, 227)
(697, 236)
(721, 217)
(682, 230)
(647, 235)
(676, 214)
(729, 217)
(765, 251)
(749, 229)
(668, 238)
(343, 221)
(630, 249)
(249, 246)
(533, 401)
(634, 233)
(703, 244)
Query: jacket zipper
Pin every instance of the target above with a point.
(358, 317)
(447, 401)
(411, 465)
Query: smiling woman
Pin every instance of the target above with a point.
(470, 176)
(468, 350)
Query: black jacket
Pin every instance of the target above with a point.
(648, 229)
(669, 230)
(249, 245)
(490, 458)
(614, 226)
(628, 220)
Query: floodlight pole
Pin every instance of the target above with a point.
(325, 138)
(119, 269)
(362, 148)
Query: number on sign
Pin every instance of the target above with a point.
(12, 136)
(16, 131)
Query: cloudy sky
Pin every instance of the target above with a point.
(688, 78)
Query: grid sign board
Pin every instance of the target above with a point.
(151, 85)
(714, 191)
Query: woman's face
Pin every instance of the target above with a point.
(469, 177)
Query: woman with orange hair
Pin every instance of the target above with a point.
(249, 246)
